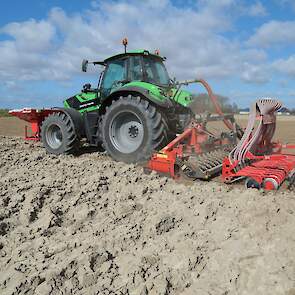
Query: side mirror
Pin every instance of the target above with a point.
(84, 65)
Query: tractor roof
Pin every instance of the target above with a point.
(133, 52)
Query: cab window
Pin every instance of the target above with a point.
(115, 72)
(155, 71)
(135, 68)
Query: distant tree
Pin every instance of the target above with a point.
(202, 103)
(235, 108)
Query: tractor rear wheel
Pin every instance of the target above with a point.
(132, 129)
(58, 134)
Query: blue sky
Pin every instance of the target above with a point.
(245, 49)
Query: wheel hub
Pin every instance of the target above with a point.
(54, 136)
(126, 132)
(133, 131)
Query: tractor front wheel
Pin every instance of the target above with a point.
(132, 129)
(58, 134)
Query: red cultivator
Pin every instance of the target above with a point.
(196, 153)
(35, 117)
(267, 172)
(256, 157)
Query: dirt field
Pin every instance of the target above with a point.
(12, 126)
(89, 225)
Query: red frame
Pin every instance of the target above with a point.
(35, 117)
(269, 171)
(188, 143)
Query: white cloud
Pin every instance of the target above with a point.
(286, 66)
(31, 36)
(255, 73)
(274, 33)
(191, 38)
(257, 9)
(26, 56)
(286, 3)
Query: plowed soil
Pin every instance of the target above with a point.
(89, 225)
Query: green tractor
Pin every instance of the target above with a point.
(135, 110)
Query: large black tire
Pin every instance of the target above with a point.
(58, 134)
(132, 129)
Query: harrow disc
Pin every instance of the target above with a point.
(205, 165)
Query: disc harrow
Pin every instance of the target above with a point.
(205, 165)
(196, 153)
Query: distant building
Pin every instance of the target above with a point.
(283, 113)
(244, 111)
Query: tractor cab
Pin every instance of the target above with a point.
(120, 69)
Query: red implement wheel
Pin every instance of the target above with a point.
(270, 184)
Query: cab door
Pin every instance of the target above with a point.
(135, 71)
(114, 77)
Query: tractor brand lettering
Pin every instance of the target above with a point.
(86, 104)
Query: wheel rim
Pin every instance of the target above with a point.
(126, 132)
(54, 136)
(270, 184)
